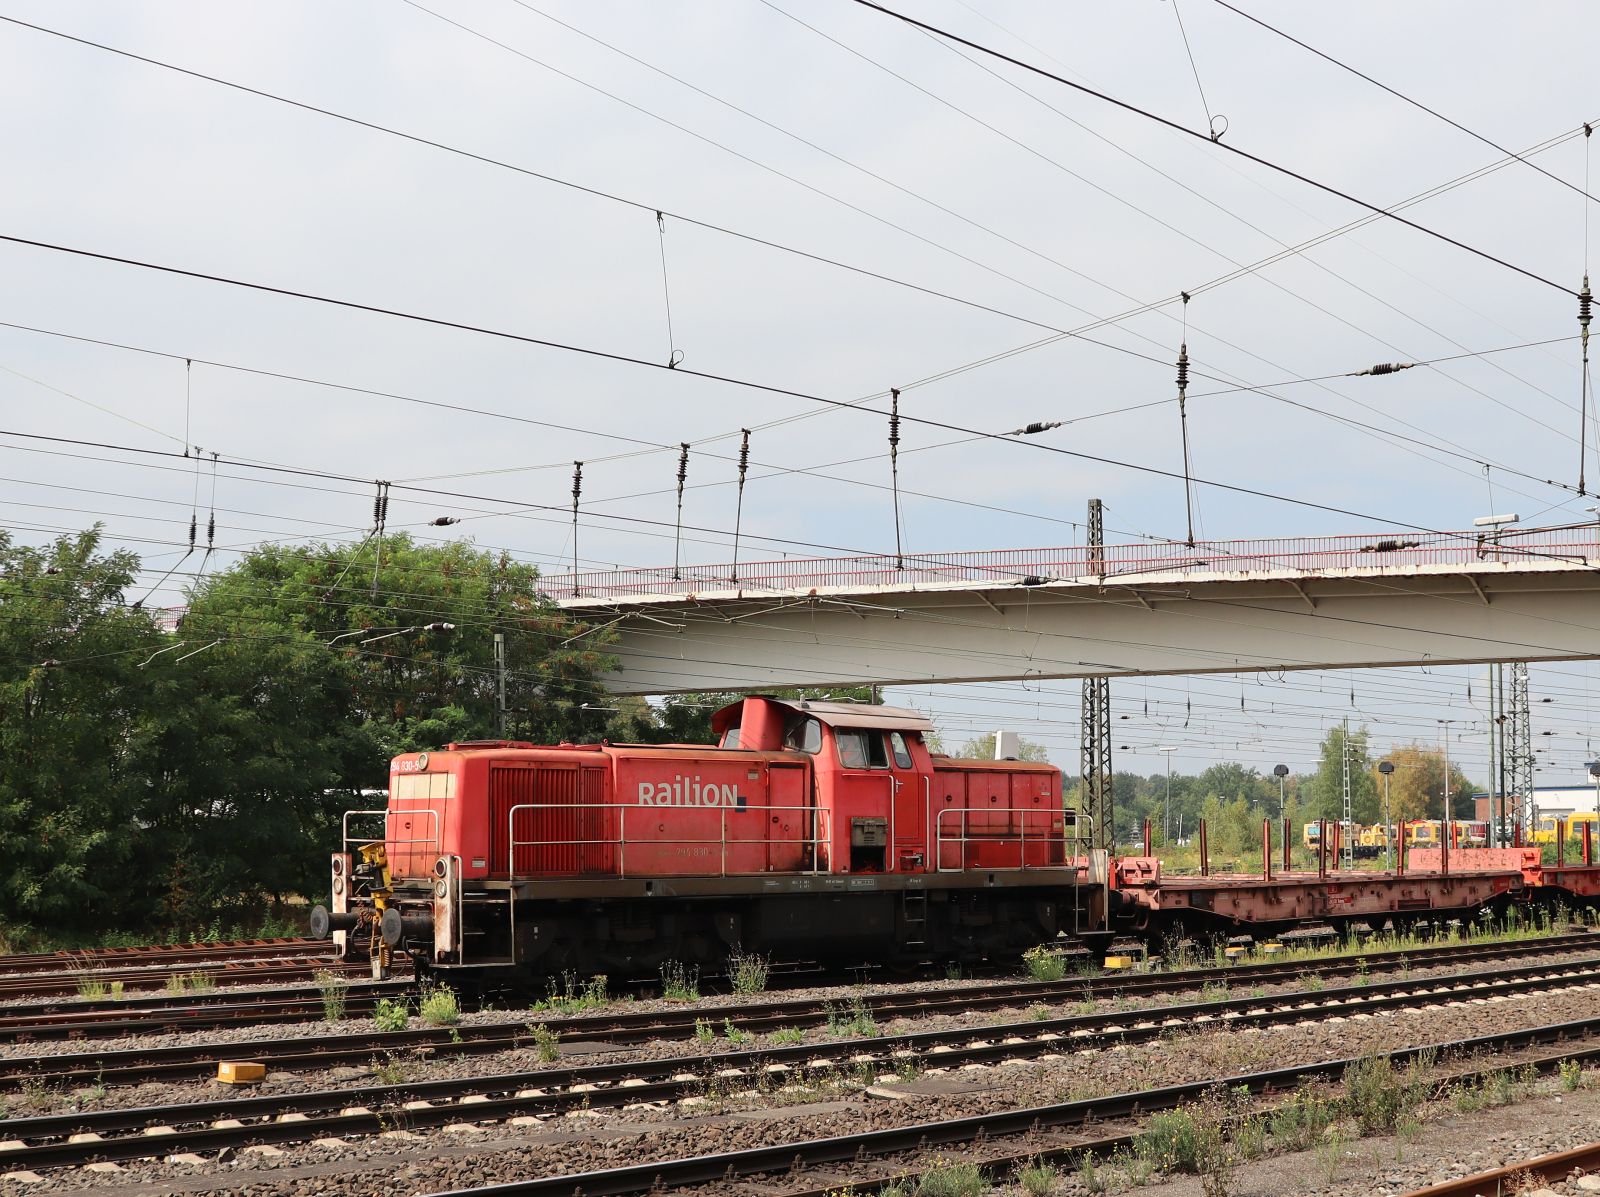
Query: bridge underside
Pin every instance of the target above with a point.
(1153, 624)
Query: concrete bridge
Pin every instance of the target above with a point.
(1389, 599)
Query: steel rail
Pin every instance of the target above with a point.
(663, 1023)
(556, 1090)
(236, 972)
(189, 1012)
(17, 1011)
(722, 1167)
(78, 959)
(1503, 1182)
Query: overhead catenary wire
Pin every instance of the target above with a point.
(1232, 149)
(674, 354)
(1400, 95)
(1211, 117)
(608, 355)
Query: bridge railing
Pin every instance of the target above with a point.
(1573, 544)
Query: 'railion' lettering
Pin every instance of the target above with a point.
(687, 791)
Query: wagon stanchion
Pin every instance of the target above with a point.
(1205, 851)
(1288, 859)
(1322, 848)
(1588, 844)
(1266, 849)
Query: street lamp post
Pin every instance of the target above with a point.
(1281, 772)
(1386, 768)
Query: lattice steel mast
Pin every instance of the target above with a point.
(1098, 799)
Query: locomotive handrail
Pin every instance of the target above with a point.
(1070, 819)
(821, 837)
(386, 838)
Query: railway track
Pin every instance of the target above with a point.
(79, 1137)
(1036, 1125)
(150, 980)
(186, 1012)
(1513, 1178)
(78, 960)
(108, 1019)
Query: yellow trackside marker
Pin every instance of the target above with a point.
(1234, 953)
(239, 1072)
(1119, 962)
(1272, 949)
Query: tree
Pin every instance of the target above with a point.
(1324, 791)
(70, 689)
(1415, 785)
(316, 664)
(686, 718)
(982, 748)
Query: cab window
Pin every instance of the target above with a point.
(861, 749)
(902, 754)
(803, 735)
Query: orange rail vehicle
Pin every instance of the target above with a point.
(819, 829)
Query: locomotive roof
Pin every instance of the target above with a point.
(834, 714)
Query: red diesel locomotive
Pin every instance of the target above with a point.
(814, 829)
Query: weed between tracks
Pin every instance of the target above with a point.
(333, 987)
(567, 996)
(679, 982)
(748, 972)
(191, 982)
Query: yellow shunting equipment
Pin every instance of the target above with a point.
(1119, 962)
(240, 1072)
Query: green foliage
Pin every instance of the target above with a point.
(705, 1032)
(546, 1042)
(952, 1180)
(1301, 1122)
(748, 972)
(567, 996)
(679, 982)
(1325, 790)
(1039, 1179)
(439, 1007)
(1571, 1076)
(981, 748)
(1045, 963)
(180, 781)
(855, 1019)
(1381, 1097)
(334, 987)
(92, 988)
(391, 1014)
(785, 1035)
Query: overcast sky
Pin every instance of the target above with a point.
(850, 137)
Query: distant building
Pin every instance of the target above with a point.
(1556, 801)
(169, 619)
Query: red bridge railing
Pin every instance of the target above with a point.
(1575, 545)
